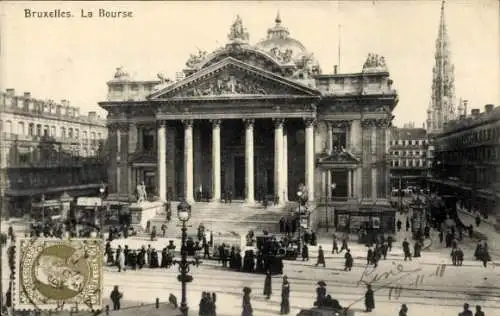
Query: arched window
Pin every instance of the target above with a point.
(63, 132)
(70, 132)
(20, 128)
(38, 129)
(31, 129)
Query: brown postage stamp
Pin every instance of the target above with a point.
(57, 274)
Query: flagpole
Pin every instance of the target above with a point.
(339, 41)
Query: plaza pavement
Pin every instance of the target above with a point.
(427, 295)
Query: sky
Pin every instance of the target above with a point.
(73, 58)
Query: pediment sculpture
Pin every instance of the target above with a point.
(195, 59)
(226, 84)
(163, 78)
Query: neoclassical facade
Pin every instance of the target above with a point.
(254, 120)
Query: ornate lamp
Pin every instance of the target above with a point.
(184, 211)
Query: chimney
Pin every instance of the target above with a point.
(475, 113)
(466, 102)
(27, 95)
(11, 91)
(335, 69)
(92, 115)
(488, 108)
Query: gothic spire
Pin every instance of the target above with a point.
(443, 85)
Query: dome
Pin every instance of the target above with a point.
(279, 43)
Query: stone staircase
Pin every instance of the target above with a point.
(236, 217)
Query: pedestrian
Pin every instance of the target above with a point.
(305, 253)
(335, 247)
(403, 311)
(285, 297)
(369, 256)
(466, 311)
(116, 297)
(121, 261)
(398, 224)
(246, 304)
(389, 243)
(369, 299)
(479, 312)
(148, 226)
(406, 249)
(407, 224)
(453, 256)
(321, 257)
(344, 245)
(460, 256)
(268, 285)
(164, 229)
(348, 260)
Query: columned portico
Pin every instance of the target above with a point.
(309, 131)
(279, 187)
(162, 160)
(249, 161)
(216, 162)
(188, 161)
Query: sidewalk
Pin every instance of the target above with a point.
(485, 230)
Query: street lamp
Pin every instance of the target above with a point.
(332, 187)
(299, 199)
(43, 212)
(101, 215)
(184, 214)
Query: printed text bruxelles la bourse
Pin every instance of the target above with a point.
(86, 14)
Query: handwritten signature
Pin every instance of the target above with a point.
(369, 277)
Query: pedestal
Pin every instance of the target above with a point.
(142, 212)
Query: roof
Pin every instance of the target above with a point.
(408, 133)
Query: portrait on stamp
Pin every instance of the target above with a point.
(56, 274)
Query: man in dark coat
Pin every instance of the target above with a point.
(369, 299)
(479, 312)
(268, 285)
(320, 294)
(305, 253)
(115, 297)
(369, 256)
(460, 257)
(321, 257)
(407, 224)
(389, 243)
(285, 296)
(466, 311)
(348, 261)
(344, 245)
(406, 249)
(399, 224)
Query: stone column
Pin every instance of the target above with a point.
(374, 160)
(329, 185)
(356, 136)
(188, 161)
(278, 159)
(329, 141)
(162, 160)
(249, 162)
(216, 175)
(309, 158)
(349, 183)
(285, 165)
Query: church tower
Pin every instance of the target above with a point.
(442, 104)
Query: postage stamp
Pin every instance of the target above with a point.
(57, 274)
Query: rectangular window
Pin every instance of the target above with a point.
(38, 130)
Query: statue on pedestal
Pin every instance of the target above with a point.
(142, 195)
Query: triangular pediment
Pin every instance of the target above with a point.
(233, 78)
(338, 157)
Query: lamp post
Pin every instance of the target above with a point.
(299, 199)
(332, 187)
(43, 212)
(184, 214)
(101, 215)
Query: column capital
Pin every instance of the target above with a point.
(309, 122)
(161, 123)
(249, 122)
(278, 122)
(216, 122)
(187, 123)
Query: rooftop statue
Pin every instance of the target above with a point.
(163, 78)
(374, 61)
(283, 57)
(195, 59)
(120, 73)
(238, 31)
